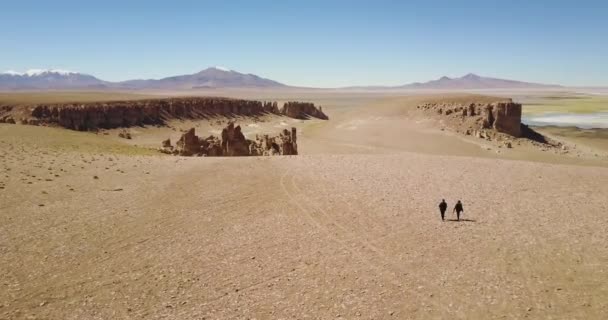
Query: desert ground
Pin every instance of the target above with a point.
(93, 226)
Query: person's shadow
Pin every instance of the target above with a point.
(462, 220)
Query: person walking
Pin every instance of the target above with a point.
(443, 206)
(458, 209)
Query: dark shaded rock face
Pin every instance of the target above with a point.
(188, 144)
(107, 115)
(90, 116)
(302, 110)
(5, 114)
(288, 142)
(233, 144)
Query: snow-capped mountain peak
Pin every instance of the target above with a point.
(39, 72)
(222, 68)
(48, 79)
(12, 73)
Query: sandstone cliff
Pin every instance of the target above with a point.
(504, 116)
(499, 122)
(107, 115)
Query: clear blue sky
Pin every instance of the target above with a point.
(312, 43)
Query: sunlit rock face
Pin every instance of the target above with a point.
(233, 143)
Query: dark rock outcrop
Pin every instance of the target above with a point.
(302, 110)
(6, 114)
(167, 147)
(233, 143)
(188, 144)
(90, 116)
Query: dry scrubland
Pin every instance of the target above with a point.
(97, 227)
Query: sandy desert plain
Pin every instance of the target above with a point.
(93, 226)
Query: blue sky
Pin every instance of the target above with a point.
(312, 43)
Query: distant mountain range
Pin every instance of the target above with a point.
(215, 77)
(218, 77)
(468, 82)
(47, 79)
(473, 81)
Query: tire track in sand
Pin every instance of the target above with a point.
(340, 240)
(387, 263)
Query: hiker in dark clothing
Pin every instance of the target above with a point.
(458, 209)
(442, 208)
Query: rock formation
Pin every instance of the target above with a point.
(302, 110)
(233, 143)
(116, 114)
(166, 143)
(283, 144)
(499, 122)
(504, 117)
(166, 147)
(188, 144)
(507, 118)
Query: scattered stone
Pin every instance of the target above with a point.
(125, 134)
(117, 189)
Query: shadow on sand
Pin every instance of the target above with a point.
(461, 220)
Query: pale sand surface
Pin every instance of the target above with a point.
(349, 229)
